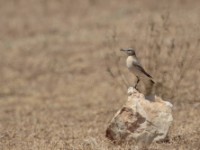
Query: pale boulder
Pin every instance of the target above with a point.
(142, 119)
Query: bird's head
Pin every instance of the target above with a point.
(129, 51)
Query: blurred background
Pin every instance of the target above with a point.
(62, 74)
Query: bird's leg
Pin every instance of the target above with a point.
(138, 80)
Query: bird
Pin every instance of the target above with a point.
(135, 66)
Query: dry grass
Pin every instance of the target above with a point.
(56, 92)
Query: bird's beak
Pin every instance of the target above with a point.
(123, 50)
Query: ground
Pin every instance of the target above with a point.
(62, 74)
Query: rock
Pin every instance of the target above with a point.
(142, 119)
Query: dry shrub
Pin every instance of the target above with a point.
(172, 62)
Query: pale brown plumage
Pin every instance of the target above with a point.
(135, 67)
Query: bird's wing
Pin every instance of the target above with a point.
(139, 67)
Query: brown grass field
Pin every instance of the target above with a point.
(61, 69)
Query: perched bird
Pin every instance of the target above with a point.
(135, 67)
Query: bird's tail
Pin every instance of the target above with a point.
(152, 81)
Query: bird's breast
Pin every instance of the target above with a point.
(129, 62)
